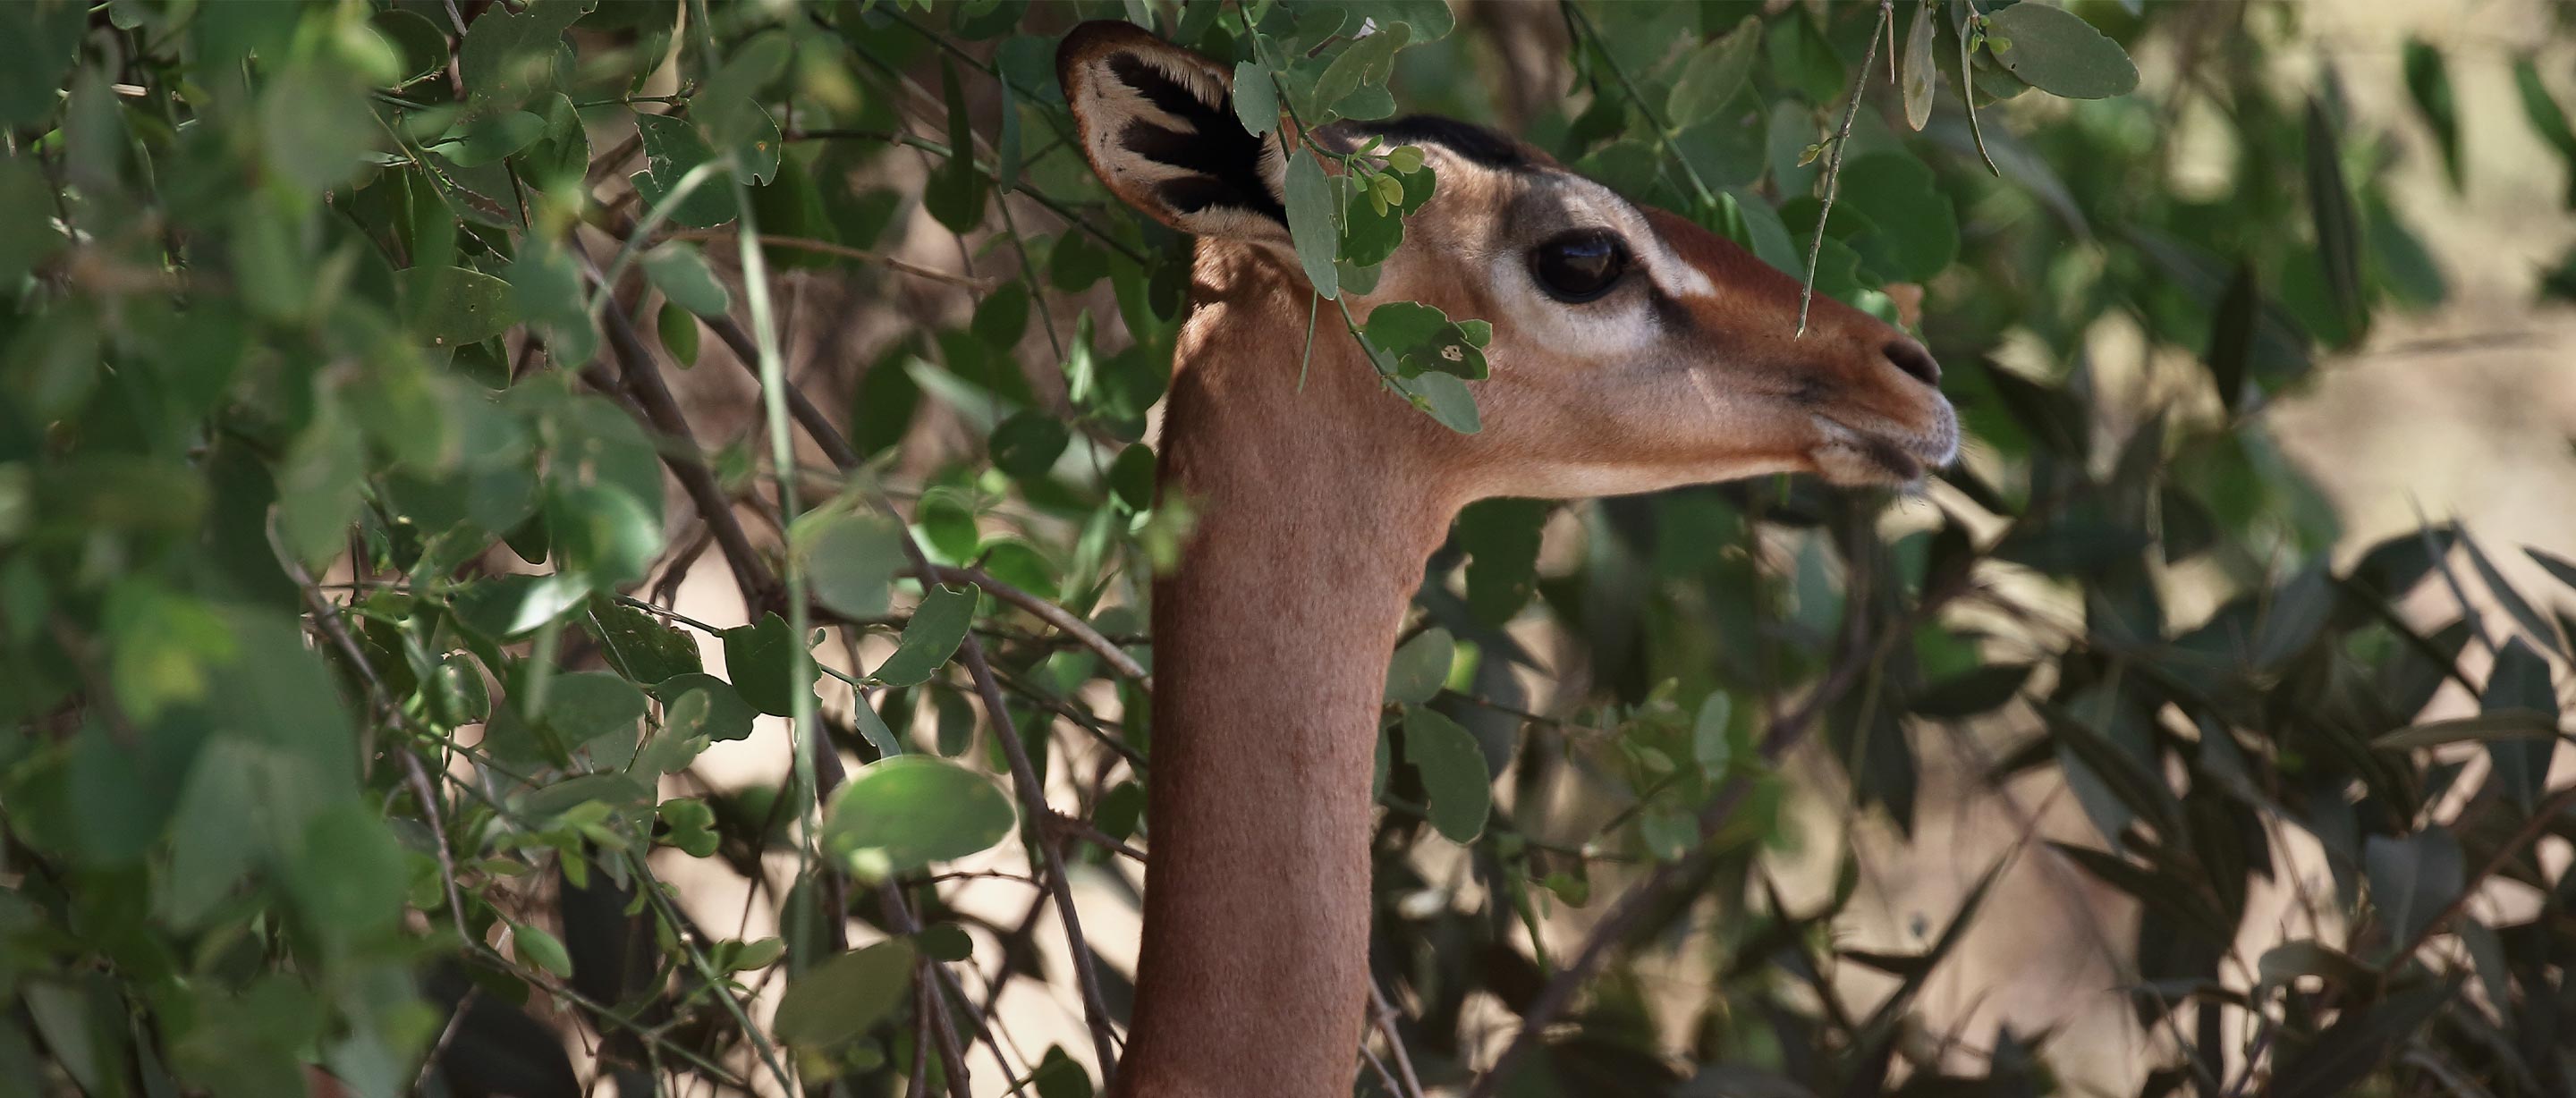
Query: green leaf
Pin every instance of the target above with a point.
(1400, 326)
(1920, 74)
(1454, 777)
(915, 810)
(955, 195)
(420, 48)
(1026, 445)
(1368, 62)
(1256, 99)
(1444, 398)
(582, 706)
(695, 704)
(2428, 82)
(1713, 74)
(2231, 335)
(1310, 222)
(507, 57)
(673, 149)
(1002, 317)
(2338, 228)
(1970, 693)
(1711, 746)
(2547, 119)
(1420, 666)
(845, 996)
(2412, 879)
(26, 218)
(479, 141)
(850, 558)
(640, 646)
(683, 276)
(540, 949)
(2502, 724)
(449, 306)
(2519, 682)
(39, 41)
(761, 659)
(727, 105)
(1917, 231)
(938, 626)
(2058, 52)
(678, 330)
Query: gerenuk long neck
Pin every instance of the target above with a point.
(1271, 641)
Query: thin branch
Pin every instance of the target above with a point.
(1834, 162)
(1412, 1087)
(979, 285)
(1023, 775)
(1049, 612)
(643, 381)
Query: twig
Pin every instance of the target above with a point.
(327, 615)
(979, 285)
(1023, 774)
(1395, 1045)
(1058, 821)
(1834, 162)
(1049, 612)
(643, 381)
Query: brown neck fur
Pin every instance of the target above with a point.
(1315, 513)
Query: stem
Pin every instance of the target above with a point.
(1834, 163)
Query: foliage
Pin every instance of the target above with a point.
(344, 492)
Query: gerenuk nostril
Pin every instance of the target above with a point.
(1917, 363)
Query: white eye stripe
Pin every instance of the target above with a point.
(1674, 276)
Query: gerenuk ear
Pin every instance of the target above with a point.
(1158, 123)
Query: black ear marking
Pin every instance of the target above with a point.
(1223, 159)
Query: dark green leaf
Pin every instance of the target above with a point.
(843, 997)
(38, 43)
(2502, 724)
(2231, 335)
(2519, 683)
(1453, 772)
(2338, 228)
(938, 626)
(448, 306)
(698, 704)
(762, 660)
(1027, 445)
(2059, 53)
(2428, 81)
(639, 645)
(2412, 880)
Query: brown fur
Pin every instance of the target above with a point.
(1316, 510)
